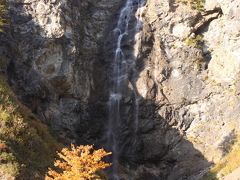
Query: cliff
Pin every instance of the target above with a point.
(176, 113)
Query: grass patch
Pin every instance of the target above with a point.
(228, 164)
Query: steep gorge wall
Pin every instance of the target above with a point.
(189, 89)
(55, 51)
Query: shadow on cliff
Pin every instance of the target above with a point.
(158, 149)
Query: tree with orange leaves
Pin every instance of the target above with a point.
(78, 163)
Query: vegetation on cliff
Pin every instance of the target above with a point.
(82, 162)
(195, 4)
(26, 146)
(196, 42)
(228, 164)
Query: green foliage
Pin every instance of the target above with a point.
(198, 4)
(195, 42)
(26, 146)
(195, 4)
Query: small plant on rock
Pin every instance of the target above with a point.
(195, 4)
(195, 42)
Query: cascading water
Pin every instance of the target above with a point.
(137, 45)
(121, 67)
(119, 81)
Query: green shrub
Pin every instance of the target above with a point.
(26, 146)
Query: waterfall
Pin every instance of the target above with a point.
(121, 67)
(137, 46)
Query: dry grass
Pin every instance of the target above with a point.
(228, 164)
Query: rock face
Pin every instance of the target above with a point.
(234, 175)
(56, 51)
(187, 78)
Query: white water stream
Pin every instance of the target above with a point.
(120, 77)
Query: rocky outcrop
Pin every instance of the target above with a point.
(186, 77)
(233, 175)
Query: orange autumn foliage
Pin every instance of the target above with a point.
(3, 147)
(78, 163)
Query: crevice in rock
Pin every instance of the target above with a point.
(202, 26)
(207, 18)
